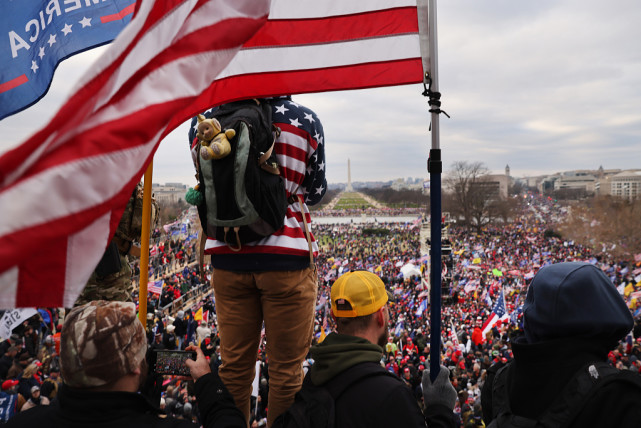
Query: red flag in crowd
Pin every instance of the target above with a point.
(64, 189)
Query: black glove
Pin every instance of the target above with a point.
(441, 391)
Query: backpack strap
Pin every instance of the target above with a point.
(307, 234)
(201, 255)
(238, 245)
(264, 157)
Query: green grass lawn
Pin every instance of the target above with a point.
(351, 200)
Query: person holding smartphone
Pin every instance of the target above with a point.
(103, 365)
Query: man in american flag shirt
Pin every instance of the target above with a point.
(273, 279)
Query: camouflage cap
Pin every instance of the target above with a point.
(101, 342)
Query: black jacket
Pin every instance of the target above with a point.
(375, 401)
(542, 370)
(181, 327)
(77, 408)
(5, 363)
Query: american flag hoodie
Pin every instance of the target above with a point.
(300, 150)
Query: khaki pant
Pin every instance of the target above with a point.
(285, 300)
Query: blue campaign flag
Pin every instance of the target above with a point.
(38, 34)
(7, 405)
(398, 329)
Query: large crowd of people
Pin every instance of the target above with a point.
(487, 266)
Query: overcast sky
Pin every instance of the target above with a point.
(544, 86)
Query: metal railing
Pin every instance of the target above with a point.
(187, 299)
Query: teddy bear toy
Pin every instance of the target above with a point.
(214, 142)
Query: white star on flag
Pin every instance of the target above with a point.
(295, 122)
(85, 22)
(281, 109)
(41, 53)
(309, 117)
(52, 39)
(34, 66)
(319, 190)
(321, 166)
(67, 29)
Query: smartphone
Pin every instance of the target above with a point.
(166, 362)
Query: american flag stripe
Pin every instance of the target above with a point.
(370, 52)
(273, 245)
(292, 176)
(292, 131)
(325, 57)
(295, 9)
(293, 155)
(359, 76)
(281, 32)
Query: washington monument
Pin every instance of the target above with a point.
(349, 187)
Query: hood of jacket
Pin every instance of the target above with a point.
(338, 352)
(574, 299)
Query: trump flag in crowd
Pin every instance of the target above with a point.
(63, 190)
(41, 33)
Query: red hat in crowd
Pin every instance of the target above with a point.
(9, 383)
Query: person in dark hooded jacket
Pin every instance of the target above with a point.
(573, 316)
(359, 304)
(181, 328)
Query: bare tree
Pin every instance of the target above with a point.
(505, 208)
(473, 194)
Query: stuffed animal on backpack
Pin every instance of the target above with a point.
(213, 140)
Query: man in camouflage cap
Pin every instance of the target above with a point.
(112, 278)
(102, 357)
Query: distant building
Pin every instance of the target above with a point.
(176, 185)
(604, 181)
(547, 184)
(576, 180)
(407, 184)
(499, 182)
(626, 184)
(169, 192)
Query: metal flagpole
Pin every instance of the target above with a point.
(144, 245)
(434, 167)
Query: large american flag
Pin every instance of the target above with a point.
(156, 287)
(62, 191)
(499, 313)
